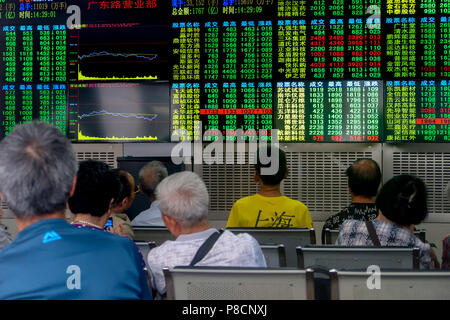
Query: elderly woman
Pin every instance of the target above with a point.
(402, 204)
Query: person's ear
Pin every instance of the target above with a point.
(286, 174)
(72, 189)
(256, 177)
(172, 225)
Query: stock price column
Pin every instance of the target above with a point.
(315, 112)
(362, 107)
(292, 49)
(400, 110)
(427, 120)
(256, 39)
(433, 120)
(290, 117)
(185, 103)
(186, 110)
(444, 41)
(401, 47)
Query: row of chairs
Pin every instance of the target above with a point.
(285, 247)
(328, 257)
(209, 283)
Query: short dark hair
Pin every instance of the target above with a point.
(125, 186)
(96, 186)
(274, 179)
(364, 177)
(403, 200)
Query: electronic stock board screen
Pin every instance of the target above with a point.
(316, 70)
(101, 78)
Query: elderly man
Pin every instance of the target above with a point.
(149, 177)
(364, 178)
(50, 259)
(183, 199)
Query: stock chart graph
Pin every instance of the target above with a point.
(97, 112)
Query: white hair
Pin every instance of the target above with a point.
(183, 196)
(151, 175)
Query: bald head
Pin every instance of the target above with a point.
(150, 176)
(364, 177)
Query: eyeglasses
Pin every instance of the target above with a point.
(136, 191)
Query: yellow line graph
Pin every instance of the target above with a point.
(82, 137)
(82, 77)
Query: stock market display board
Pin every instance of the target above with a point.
(315, 70)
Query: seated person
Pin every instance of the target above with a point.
(5, 236)
(122, 203)
(364, 177)
(183, 199)
(97, 187)
(269, 208)
(50, 259)
(149, 177)
(402, 204)
(446, 253)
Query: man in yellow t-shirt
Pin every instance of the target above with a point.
(269, 208)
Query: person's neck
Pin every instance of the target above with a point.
(199, 227)
(269, 191)
(79, 218)
(381, 217)
(22, 224)
(361, 199)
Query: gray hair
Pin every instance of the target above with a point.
(151, 175)
(37, 167)
(184, 197)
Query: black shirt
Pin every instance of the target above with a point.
(356, 211)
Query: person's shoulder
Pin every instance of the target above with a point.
(240, 238)
(295, 203)
(351, 223)
(162, 249)
(100, 237)
(246, 200)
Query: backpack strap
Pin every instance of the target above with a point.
(373, 234)
(205, 248)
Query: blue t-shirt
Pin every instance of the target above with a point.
(53, 260)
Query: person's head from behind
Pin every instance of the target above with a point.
(97, 187)
(271, 158)
(150, 176)
(183, 200)
(403, 200)
(364, 178)
(37, 172)
(126, 193)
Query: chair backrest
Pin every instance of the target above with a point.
(275, 255)
(290, 238)
(358, 258)
(331, 236)
(404, 285)
(220, 283)
(144, 248)
(421, 234)
(157, 235)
